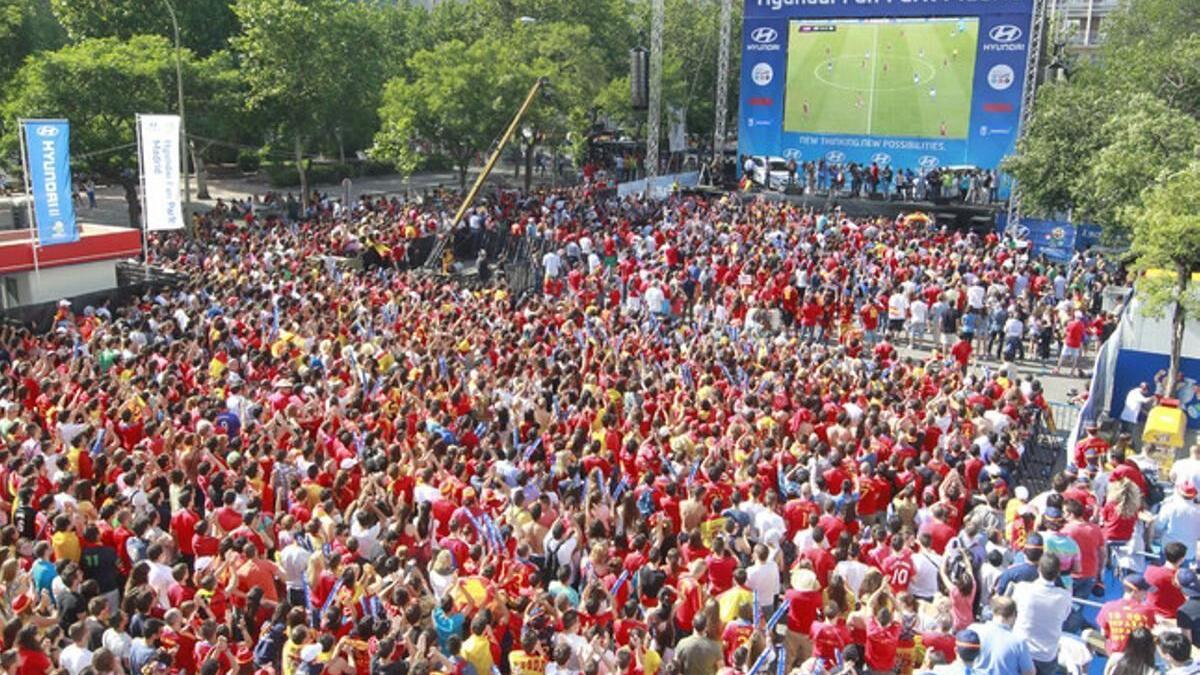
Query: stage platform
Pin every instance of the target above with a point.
(979, 218)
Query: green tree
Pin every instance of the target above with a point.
(566, 55)
(314, 69)
(1166, 237)
(204, 25)
(100, 85)
(1120, 123)
(26, 26)
(457, 102)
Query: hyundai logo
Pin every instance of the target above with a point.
(1005, 33)
(835, 157)
(792, 153)
(764, 35)
(46, 130)
(928, 162)
(881, 158)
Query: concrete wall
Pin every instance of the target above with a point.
(55, 283)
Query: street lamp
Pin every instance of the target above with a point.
(183, 146)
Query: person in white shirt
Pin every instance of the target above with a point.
(160, 577)
(1179, 518)
(976, 294)
(897, 311)
(1042, 607)
(293, 560)
(552, 264)
(76, 656)
(763, 577)
(1137, 401)
(1187, 470)
(926, 564)
(918, 320)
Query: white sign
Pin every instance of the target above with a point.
(1001, 77)
(762, 74)
(159, 159)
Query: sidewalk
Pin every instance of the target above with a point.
(111, 208)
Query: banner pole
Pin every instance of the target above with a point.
(142, 185)
(33, 239)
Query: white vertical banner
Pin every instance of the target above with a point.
(158, 153)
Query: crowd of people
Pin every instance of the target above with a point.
(702, 446)
(969, 185)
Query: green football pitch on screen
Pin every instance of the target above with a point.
(888, 77)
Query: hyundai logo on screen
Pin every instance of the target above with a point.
(764, 34)
(835, 157)
(1005, 33)
(881, 158)
(47, 130)
(1005, 38)
(792, 153)
(763, 39)
(928, 162)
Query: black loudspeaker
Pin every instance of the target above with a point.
(639, 78)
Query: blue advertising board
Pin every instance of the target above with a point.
(48, 152)
(914, 84)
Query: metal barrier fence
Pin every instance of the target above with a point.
(1042, 457)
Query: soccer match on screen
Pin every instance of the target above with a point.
(893, 77)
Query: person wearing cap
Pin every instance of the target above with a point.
(1118, 618)
(1042, 608)
(1178, 518)
(804, 603)
(967, 646)
(1187, 617)
(1064, 548)
(1188, 468)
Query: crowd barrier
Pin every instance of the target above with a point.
(660, 186)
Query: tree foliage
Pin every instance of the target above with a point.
(1121, 123)
(204, 25)
(456, 102)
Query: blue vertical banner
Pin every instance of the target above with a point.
(48, 152)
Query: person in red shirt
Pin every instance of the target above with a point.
(1092, 441)
(898, 567)
(804, 602)
(31, 660)
(720, 568)
(883, 639)
(961, 351)
(1165, 596)
(183, 526)
(1118, 618)
(1090, 539)
(1072, 345)
(939, 530)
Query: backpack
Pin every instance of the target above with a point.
(550, 564)
(1154, 492)
(270, 646)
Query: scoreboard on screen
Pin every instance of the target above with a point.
(910, 83)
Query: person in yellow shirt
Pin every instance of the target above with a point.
(528, 660)
(65, 541)
(729, 602)
(292, 648)
(477, 649)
